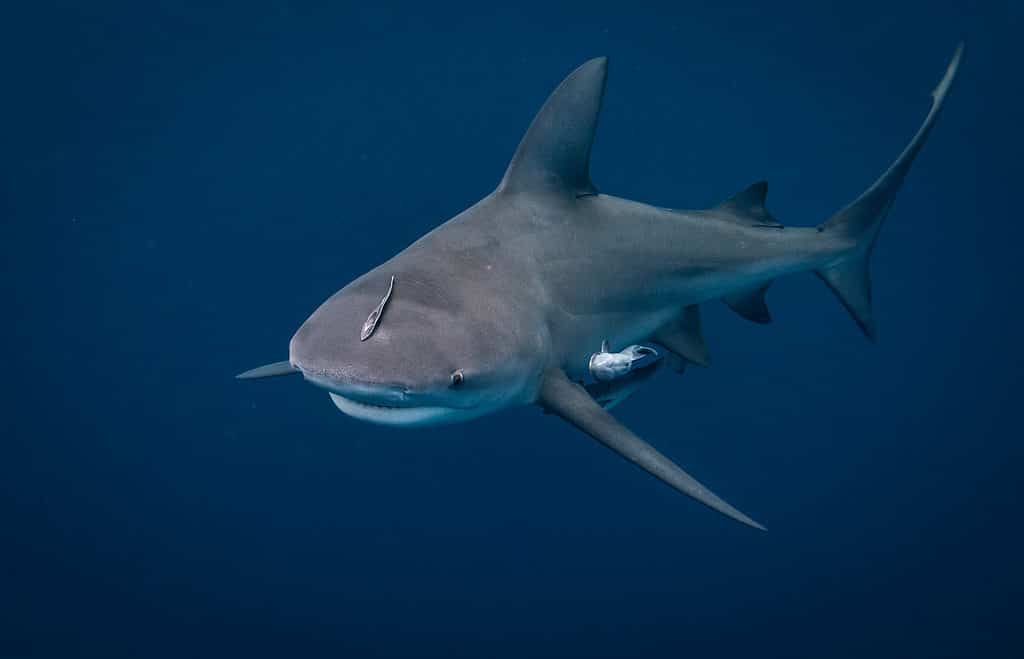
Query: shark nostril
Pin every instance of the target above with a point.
(457, 378)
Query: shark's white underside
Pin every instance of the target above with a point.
(426, 415)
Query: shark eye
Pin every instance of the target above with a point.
(457, 377)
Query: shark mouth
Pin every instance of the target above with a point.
(398, 415)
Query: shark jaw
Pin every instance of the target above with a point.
(394, 405)
(394, 415)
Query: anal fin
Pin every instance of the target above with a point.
(750, 304)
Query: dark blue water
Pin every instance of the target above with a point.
(181, 188)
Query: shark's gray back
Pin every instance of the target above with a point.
(551, 257)
(556, 259)
(512, 300)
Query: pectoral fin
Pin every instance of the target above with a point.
(565, 398)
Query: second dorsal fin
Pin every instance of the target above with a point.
(554, 155)
(748, 205)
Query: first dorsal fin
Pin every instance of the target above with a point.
(554, 155)
(748, 205)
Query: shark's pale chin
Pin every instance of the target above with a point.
(425, 415)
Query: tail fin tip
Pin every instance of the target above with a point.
(947, 80)
(858, 224)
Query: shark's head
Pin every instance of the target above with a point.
(413, 351)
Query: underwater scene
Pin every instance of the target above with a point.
(334, 328)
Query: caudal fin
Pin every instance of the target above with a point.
(860, 222)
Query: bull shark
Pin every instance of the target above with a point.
(510, 302)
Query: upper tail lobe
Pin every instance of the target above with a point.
(860, 222)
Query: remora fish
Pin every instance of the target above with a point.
(506, 303)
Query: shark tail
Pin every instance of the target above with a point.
(858, 224)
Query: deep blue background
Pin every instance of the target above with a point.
(181, 188)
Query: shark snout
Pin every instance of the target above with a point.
(411, 357)
(402, 363)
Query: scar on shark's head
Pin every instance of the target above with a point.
(374, 318)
